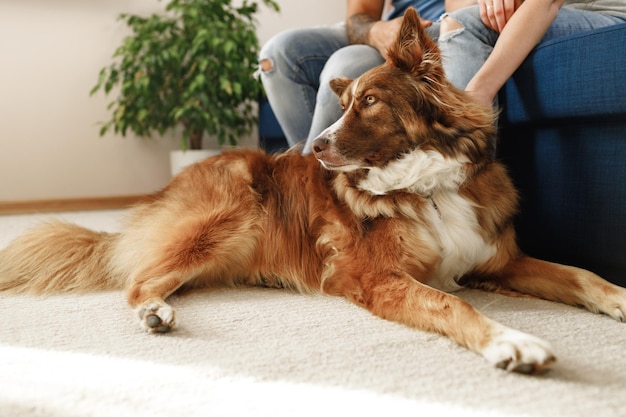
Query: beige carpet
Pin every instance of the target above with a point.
(261, 352)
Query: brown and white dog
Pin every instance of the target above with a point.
(400, 202)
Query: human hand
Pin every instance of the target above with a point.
(495, 14)
(384, 32)
(483, 94)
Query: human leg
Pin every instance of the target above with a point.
(466, 43)
(570, 21)
(291, 63)
(348, 62)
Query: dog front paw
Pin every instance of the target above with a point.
(617, 312)
(156, 316)
(519, 352)
(615, 306)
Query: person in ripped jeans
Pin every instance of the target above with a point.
(481, 46)
(296, 65)
(492, 38)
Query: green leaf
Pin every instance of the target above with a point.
(104, 129)
(229, 46)
(141, 116)
(237, 89)
(225, 85)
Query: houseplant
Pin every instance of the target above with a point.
(191, 67)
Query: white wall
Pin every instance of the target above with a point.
(50, 54)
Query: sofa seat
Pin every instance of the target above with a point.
(582, 75)
(563, 136)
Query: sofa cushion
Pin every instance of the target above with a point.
(581, 75)
(572, 183)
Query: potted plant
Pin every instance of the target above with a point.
(191, 67)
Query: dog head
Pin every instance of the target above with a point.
(404, 126)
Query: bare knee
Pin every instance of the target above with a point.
(266, 65)
(449, 27)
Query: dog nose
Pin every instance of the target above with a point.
(320, 144)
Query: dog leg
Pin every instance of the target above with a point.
(147, 297)
(566, 284)
(197, 252)
(400, 298)
(156, 316)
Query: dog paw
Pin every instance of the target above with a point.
(618, 313)
(613, 305)
(616, 307)
(519, 352)
(156, 316)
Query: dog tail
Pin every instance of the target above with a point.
(59, 257)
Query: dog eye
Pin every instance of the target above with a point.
(369, 100)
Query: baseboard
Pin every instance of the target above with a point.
(69, 204)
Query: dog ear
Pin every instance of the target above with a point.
(339, 85)
(413, 51)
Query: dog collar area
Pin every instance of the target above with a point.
(435, 206)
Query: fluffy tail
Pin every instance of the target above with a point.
(59, 257)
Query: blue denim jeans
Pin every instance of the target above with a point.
(471, 45)
(304, 60)
(296, 59)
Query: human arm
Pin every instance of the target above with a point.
(522, 33)
(361, 16)
(364, 24)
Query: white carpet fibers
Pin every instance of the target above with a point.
(263, 352)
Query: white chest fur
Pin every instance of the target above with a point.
(452, 218)
(456, 233)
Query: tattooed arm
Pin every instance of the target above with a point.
(364, 24)
(361, 17)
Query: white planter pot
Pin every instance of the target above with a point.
(179, 160)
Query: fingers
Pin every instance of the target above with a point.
(486, 13)
(496, 13)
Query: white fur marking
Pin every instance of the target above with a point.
(456, 237)
(355, 85)
(461, 246)
(516, 351)
(330, 131)
(157, 308)
(420, 172)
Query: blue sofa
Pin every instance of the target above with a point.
(563, 137)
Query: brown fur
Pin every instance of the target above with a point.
(246, 217)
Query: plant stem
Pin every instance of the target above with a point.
(195, 139)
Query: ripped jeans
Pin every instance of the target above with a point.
(296, 65)
(470, 45)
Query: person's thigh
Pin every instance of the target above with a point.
(570, 21)
(348, 62)
(290, 65)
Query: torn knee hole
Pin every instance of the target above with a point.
(449, 27)
(448, 24)
(266, 65)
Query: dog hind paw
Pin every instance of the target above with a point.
(156, 316)
(515, 351)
